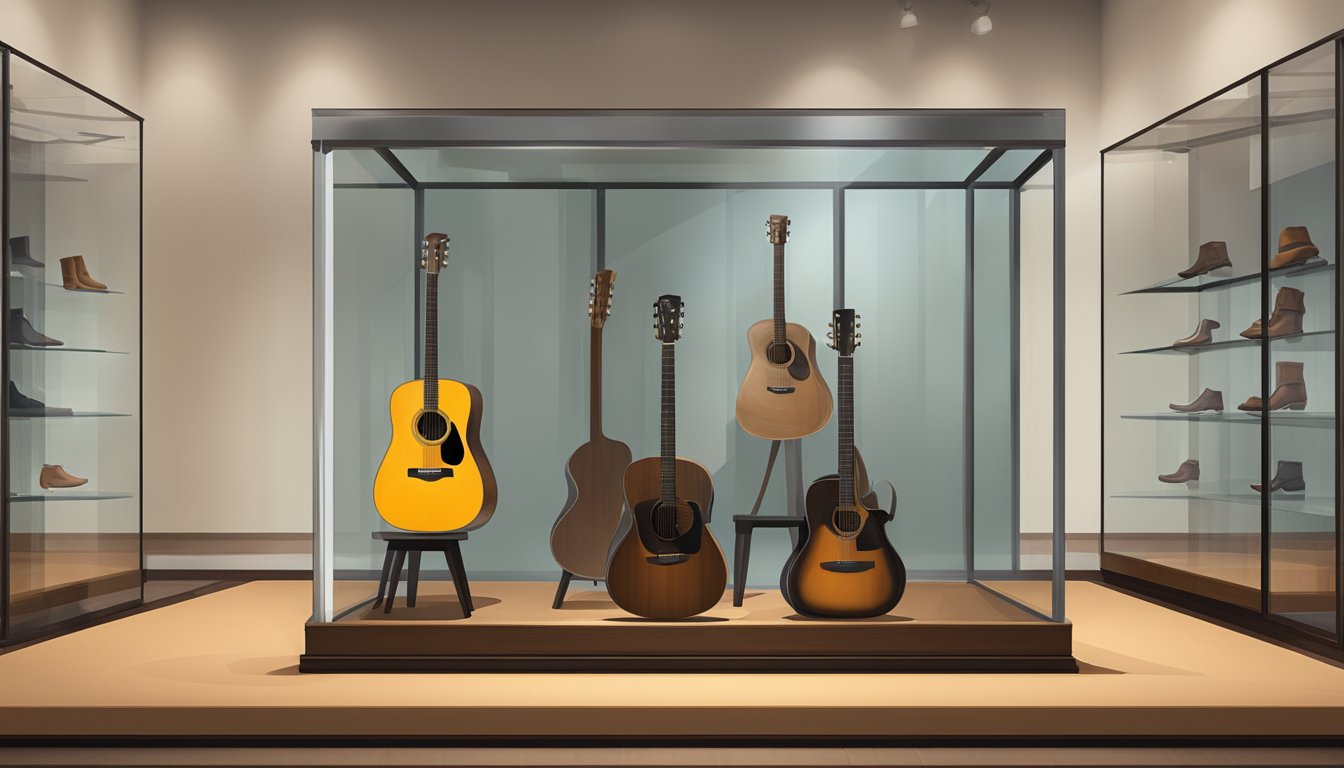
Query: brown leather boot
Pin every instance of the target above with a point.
(70, 274)
(85, 278)
(1188, 471)
(1202, 335)
(55, 476)
(1295, 247)
(1208, 400)
(1290, 390)
(1212, 255)
(1289, 307)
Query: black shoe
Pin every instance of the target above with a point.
(20, 255)
(22, 405)
(1287, 478)
(23, 333)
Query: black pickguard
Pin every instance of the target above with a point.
(452, 450)
(687, 543)
(799, 369)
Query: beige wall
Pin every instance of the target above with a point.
(1158, 56)
(96, 42)
(229, 85)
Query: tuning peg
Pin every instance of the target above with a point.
(858, 336)
(858, 325)
(858, 316)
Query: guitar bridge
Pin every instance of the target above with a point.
(429, 474)
(780, 390)
(668, 559)
(847, 566)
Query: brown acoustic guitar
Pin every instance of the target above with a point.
(783, 396)
(582, 535)
(844, 565)
(668, 564)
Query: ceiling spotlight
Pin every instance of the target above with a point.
(982, 24)
(909, 19)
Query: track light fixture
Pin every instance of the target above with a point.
(908, 18)
(982, 25)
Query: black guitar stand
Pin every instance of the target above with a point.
(563, 587)
(745, 525)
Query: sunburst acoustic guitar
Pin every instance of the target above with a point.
(435, 475)
(668, 564)
(783, 396)
(582, 535)
(844, 565)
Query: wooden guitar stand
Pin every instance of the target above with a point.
(398, 544)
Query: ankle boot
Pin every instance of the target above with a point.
(1290, 390)
(1208, 400)
(1295, 247)
(1202, 335)
(1290, 305)
(1189, 470)
(1212, 255)
(20, 253)
(86, 278)
(70, 274)
(55, 476)
(22, 405)
(1287, 477)
(23, 333)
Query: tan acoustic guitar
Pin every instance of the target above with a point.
(783, 396)
(582, 535)
(668, 564)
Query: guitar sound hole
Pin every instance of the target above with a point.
(847, 521)
(779, 354)
(671, 521)
(432, 426)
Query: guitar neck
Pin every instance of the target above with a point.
(669, 425)
(779, 293)
(595, 385)
(431, 372)
(846, 430)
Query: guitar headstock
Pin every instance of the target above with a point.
(844, 336)
(668, 313)
(777, 228)
(434, 252)
(600, 292)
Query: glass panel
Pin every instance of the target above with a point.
(905, 272)
(1182, 201)
(74, 351)
(1303, 461)
(677, 164)
(995, 545)
(364, 166)
(1010, 165)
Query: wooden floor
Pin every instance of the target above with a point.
(225, 665)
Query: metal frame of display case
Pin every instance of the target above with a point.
(994, 130)
(7, 52)
(1262, 621)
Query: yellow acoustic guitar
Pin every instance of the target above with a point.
(783, 396)
(435, 476)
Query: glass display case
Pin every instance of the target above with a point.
(1221, 292)
(71, 409)
(922, 221)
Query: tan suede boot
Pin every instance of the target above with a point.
(70, 274)
(1290, 390)
(1289, 306)
(55, 476)
(85, 278)
(1295, 247)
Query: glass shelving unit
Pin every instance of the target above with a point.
(72, 545)
(1249, 173)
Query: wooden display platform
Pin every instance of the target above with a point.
(936, 627)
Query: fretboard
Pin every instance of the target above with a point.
(595, 385)
(846, 429)
(779, 293)
(431, 341)
(669, 425)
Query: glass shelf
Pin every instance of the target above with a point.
(59, 286)
(44, 177)
(1314, 341)
(1210, 282)
(1284, 418)
(70, 496)
(63, 348)
(1224, 493)
(75, 415)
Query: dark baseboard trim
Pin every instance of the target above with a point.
(165, 574)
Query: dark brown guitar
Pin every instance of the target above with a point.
(844, 566)
(668, 565)
(582, 535)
